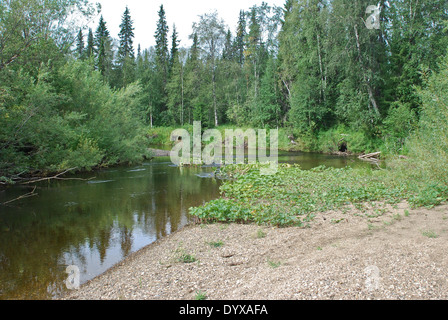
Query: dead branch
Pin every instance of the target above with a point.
(26, 195)
(48, 178)
(56, 177)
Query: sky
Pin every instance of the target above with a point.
(183, 13)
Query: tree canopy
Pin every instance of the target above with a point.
(312, 67)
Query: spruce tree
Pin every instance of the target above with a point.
(90, 50)
(80, 44)
(174, 48)
(176, 89)
(227, 53)
(159, 104)
(194, 51)
(103, 48)
(126, 36)
(240, 37)
(125, 69)
(162, 55)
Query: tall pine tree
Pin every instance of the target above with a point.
(126, 36)
(240, 37)
(162, 54)
(174, 48)
(90, 49)
(80, 44)
(103, 49)
(125, 70)
(159, 106)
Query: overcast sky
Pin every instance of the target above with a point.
(183, 13)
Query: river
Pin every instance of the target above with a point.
(95, 223)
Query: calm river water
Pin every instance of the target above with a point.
(97, 223)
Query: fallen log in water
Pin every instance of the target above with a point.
(370, 156)
(160, 153)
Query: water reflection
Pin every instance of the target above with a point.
(95, 224)
(311, 160)
(92, 224)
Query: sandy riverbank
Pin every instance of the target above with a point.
(339, 256)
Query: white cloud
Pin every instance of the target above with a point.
(183, 13)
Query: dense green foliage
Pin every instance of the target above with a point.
(293, 196)
(429, 144)
(313, 68)
(57, 112)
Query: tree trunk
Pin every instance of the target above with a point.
(366, 80)
(214, 99)
(182, 84)
(322, 76)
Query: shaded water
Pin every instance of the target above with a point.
(97, 223)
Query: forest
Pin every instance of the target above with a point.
(79, 97)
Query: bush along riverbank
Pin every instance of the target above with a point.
(293, 197)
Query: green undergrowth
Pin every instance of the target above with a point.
(290, 139)
(161, 136)
(293, 196)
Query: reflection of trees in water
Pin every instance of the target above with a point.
(103, 242)
(45, 233)
(126, 240)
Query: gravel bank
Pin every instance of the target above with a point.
(394, 255)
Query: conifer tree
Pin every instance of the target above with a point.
(80, 44)
(240, 36)
(90, 49)
(227, 53)
(125, 70)
(174, 48)
(103, 48)
(126, 36)
(176, 89)
(159, 105)
(162, 55)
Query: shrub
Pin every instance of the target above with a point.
(67, 117)
(357, 141)
(429, 145)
